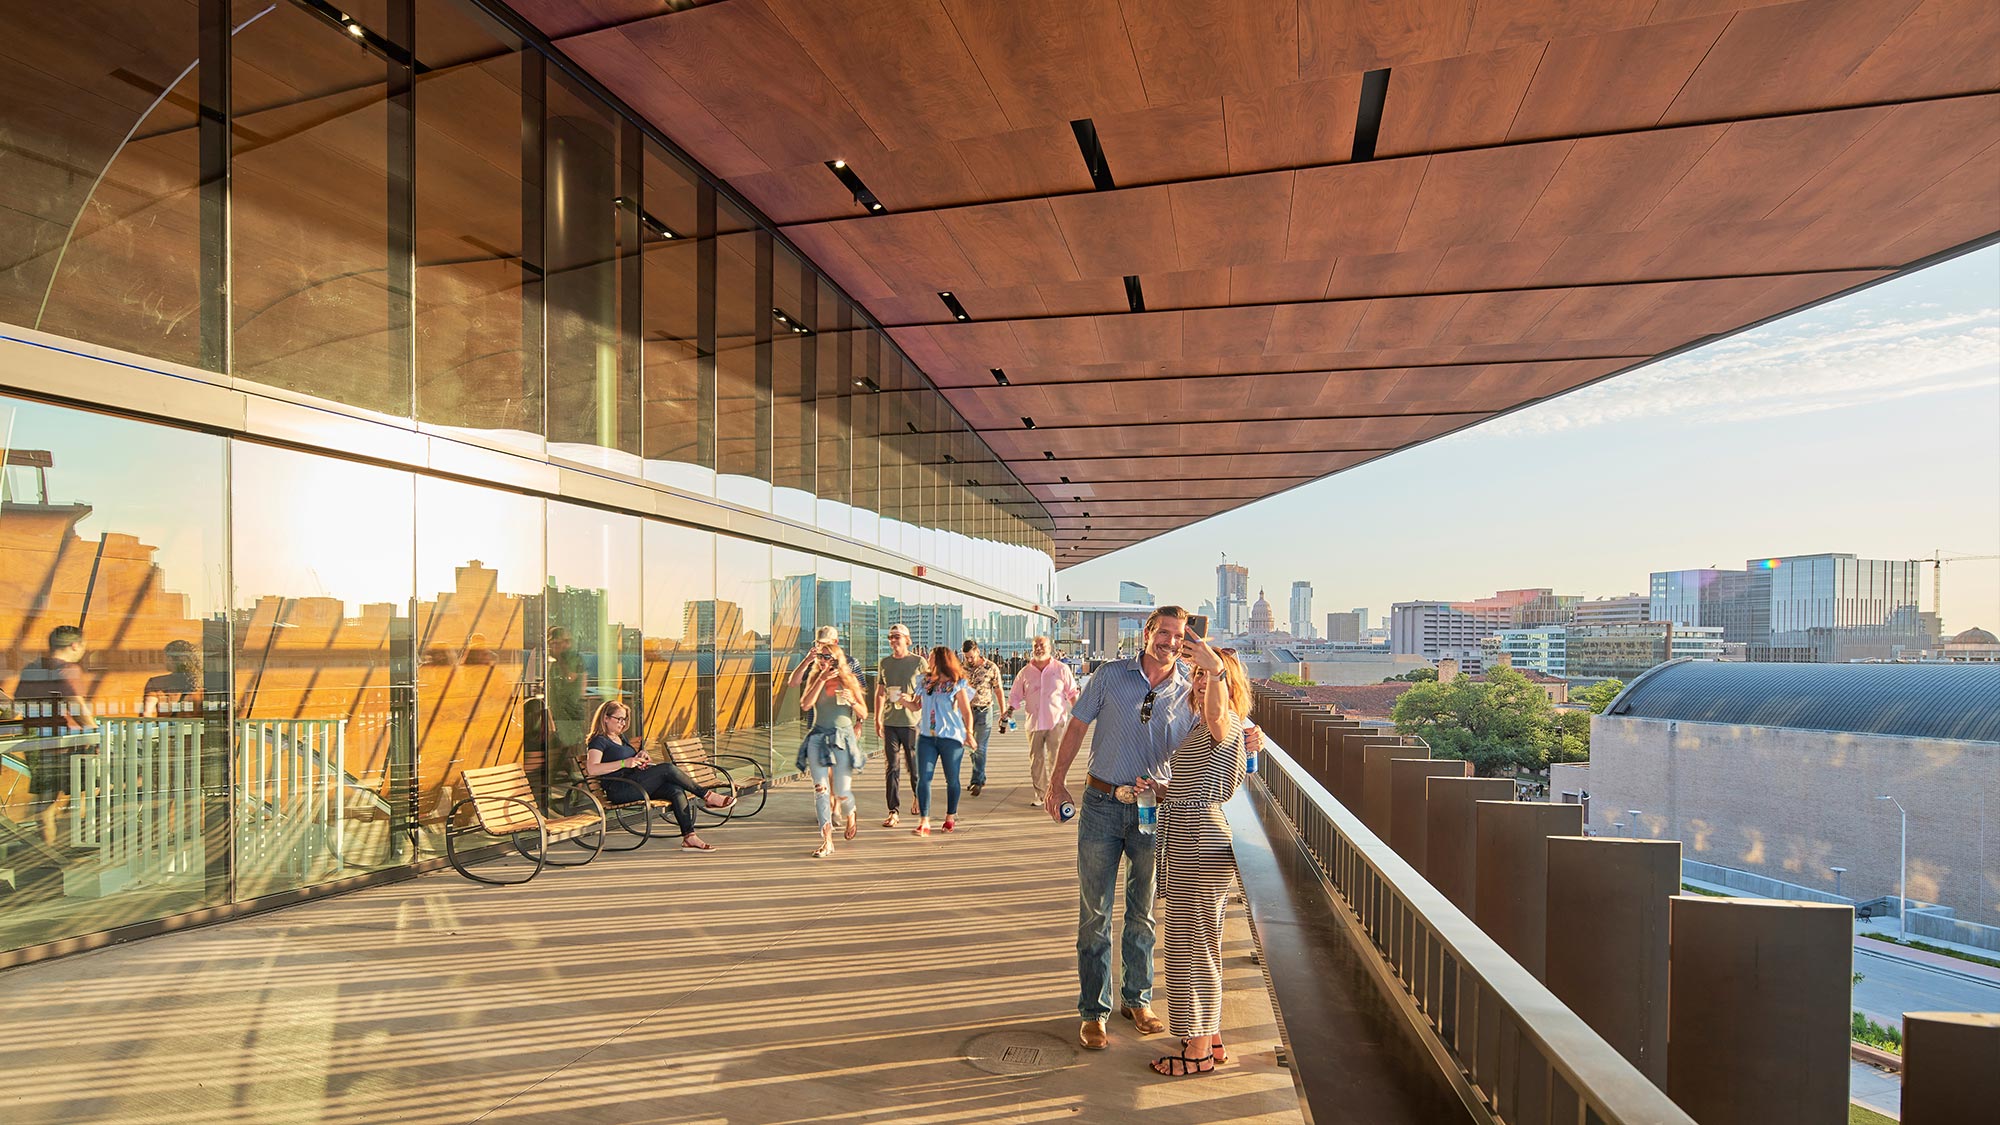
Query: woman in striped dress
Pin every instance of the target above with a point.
(1196, 866)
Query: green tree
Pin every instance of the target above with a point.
(1599, 695)
(1293, 679)
(1500, 726)
(1424, 675)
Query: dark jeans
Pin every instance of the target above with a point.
(929, 749)
(982, 731)
(662, 782)
(899, 745)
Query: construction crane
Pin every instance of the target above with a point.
(1937, 561)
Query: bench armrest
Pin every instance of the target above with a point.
(751, 762)
(583, 789)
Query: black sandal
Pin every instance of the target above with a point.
(1220, 1052)
(1180, 1066)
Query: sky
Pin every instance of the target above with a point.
(1869, 425)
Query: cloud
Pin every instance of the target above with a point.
(1814, 363)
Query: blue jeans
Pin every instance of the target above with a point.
(982, 732)
(837, 779)
(1106, 832)
(929, 749)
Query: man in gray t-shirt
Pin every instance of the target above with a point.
(896, 677)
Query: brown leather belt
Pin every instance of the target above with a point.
(1122, 792)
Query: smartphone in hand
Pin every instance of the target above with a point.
(1197, 625)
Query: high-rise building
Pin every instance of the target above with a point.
(1232, 590)
(1832, 607)
(1346, 627)
(1626, 649)
(1437, 630)
(1134, 594)
(1539, 648)
(1626, 609)
(1302, 610)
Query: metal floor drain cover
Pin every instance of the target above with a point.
(1019, 1052)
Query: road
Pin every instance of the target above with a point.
(1890, 987)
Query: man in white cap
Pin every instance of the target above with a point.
(896, 679)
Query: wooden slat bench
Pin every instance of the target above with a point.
(735, 774)
(503, 806)
(635, 817)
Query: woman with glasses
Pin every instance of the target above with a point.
(830, 751)
(944, 731)
(1196, 865)
(629, 776)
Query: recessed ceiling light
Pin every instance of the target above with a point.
(839, 164)
(1027, 421)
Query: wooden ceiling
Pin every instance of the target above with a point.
(1555, 192)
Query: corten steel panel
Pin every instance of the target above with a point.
(1951, 1067)
(1408, 796)
(1450, 835)
(1758, 1012)
(1348, 766)
(1376, 810)
(1511, 868)
(1327, 731)
(1607, 939)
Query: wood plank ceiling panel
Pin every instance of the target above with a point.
(1555, 192)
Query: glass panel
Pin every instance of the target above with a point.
(794, 356)
(834, 394)
(743, 302)
(863, 632)
(679, 697)
(324, 667)
(743, 647)
(309, 190)
(591, 237)
(114, 740)
(479, 642)
(99, 175)
(794, 618)
(593, 639)
(680, 373)
(479, 359)
(867, 478)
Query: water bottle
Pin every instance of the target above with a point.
(1149, 808)
(1249, 755)
(1068, 812)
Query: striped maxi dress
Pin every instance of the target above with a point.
(1196, 870)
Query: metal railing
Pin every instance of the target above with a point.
(1514, 1051)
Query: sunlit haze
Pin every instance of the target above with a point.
(1868, 425)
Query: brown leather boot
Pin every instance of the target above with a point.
(1142, 1017)
(1093, 1036)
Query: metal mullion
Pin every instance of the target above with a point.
(400, 160)
(213, 143)
(704, 320)
(766, 429)
(534, 108)
(631, 236)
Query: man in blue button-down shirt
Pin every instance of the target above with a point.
(1137, 712)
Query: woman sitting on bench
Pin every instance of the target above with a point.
(629, 777)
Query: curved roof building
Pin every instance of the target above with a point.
(1899, 700)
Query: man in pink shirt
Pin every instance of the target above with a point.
(1044, 690)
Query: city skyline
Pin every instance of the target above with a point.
(1884, 405)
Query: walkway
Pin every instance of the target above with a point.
(905, 980)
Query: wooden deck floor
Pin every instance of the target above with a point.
(919, 981)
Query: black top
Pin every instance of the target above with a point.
(610, 749)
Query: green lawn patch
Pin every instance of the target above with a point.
(1862, 1115)
(1927, 947)
(1705, 891)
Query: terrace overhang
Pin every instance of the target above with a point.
(1171, 258)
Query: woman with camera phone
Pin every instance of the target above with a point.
(830, 751)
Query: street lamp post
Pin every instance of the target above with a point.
(1632, 817)
(1837, 873)
(1903, 875)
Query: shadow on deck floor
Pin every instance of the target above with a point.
(752, 984)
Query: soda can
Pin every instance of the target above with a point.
(1068, 812)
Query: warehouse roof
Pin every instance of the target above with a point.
(1960, 701)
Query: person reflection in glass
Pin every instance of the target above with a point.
(629, 776)
(567, 679)
(178, 693)
(50, 695)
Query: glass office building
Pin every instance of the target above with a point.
(378, 399)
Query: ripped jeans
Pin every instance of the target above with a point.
(839, 779)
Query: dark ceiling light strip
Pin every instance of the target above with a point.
(1093, 153)
(1157, 378)
(958, 312)
(1048, 455)
(1264, 421)
(790, 322)
(869, 385)
(1000, 376)
(1368, 122)
(1065, 480)
(1027, 421)
(854, 186)
(648, 220)
(1135, 297)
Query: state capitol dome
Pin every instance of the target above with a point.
(1260, 616)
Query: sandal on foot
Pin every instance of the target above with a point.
(825, 850)
(697, 845)
(726, 802)
(920, 830)
(1180, 1066)
(853, 823)
(1220, 1052)
(891, 822)
(949, 824)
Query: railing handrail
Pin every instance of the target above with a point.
(1602, 1077)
